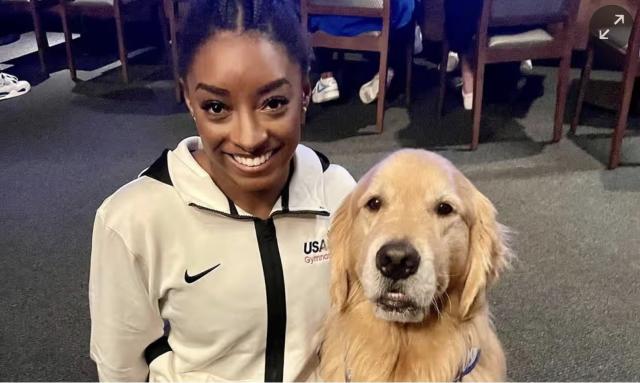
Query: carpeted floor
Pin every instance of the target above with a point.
(564, 312)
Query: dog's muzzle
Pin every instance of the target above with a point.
(397, 260)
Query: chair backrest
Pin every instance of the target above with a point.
(360, 8)
(634, 42)
(531, 12)
(380, 9)
(556, 17)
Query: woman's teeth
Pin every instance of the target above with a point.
(253, 161)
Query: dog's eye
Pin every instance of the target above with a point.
(374, 204)
(444, 209)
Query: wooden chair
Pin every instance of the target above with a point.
(370, 42)
(555, 41)
(119, 10)
(173, 12)
(624, 44)
(35, 8)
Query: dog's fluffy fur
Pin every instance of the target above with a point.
(460, 253)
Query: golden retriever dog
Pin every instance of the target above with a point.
(413, 249)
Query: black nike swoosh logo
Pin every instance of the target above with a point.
(192, 278)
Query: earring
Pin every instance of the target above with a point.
(305, 103)
(193, 116)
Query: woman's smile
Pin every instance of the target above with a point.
(253, 163)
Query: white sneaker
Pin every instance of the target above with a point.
(526, 66)
(11, 87)
(326, 89)
(467, 100)
(452, 61)
(369, 90)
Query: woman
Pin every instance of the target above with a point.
(461, 24)
(221, 241)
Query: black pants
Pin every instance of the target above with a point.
(461, 22)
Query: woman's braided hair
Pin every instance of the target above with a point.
(276, 20)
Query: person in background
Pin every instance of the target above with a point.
(461, 23)
(326, 88)
(212, 265)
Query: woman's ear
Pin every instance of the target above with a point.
(489, 252)
(187, 99)
(339, 239)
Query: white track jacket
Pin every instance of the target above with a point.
(239, 298)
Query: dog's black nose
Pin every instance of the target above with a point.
(397, 260)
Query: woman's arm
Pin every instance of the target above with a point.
(124, 319)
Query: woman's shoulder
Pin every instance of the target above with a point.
(137, 200)
(338, 174)
(337, 185)
(331, 172)
(336, 181)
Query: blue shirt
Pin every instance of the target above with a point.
(401, 12)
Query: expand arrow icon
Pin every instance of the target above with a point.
(603, 35)
(620, 19)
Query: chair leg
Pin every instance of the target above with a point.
(408, 74)
(582, 90)
(409, 61)
(621, 120)
(478, 90)
(173, 30)
(561, 96)
(443, 77)
(164, 30)
(122, 48)
(41, 36)
(68, 39)
(382, 89)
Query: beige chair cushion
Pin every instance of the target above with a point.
(532, 37)
(350, 3)
(99, 2)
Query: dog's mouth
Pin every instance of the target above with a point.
(396, 301)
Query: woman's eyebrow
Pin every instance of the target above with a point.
(213, 89)
(273, 85)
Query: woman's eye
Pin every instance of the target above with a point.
(214, 107)
(444, 209)
(275, 103)
(374, 204)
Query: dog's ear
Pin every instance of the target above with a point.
(489, 252)
(339, 244)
